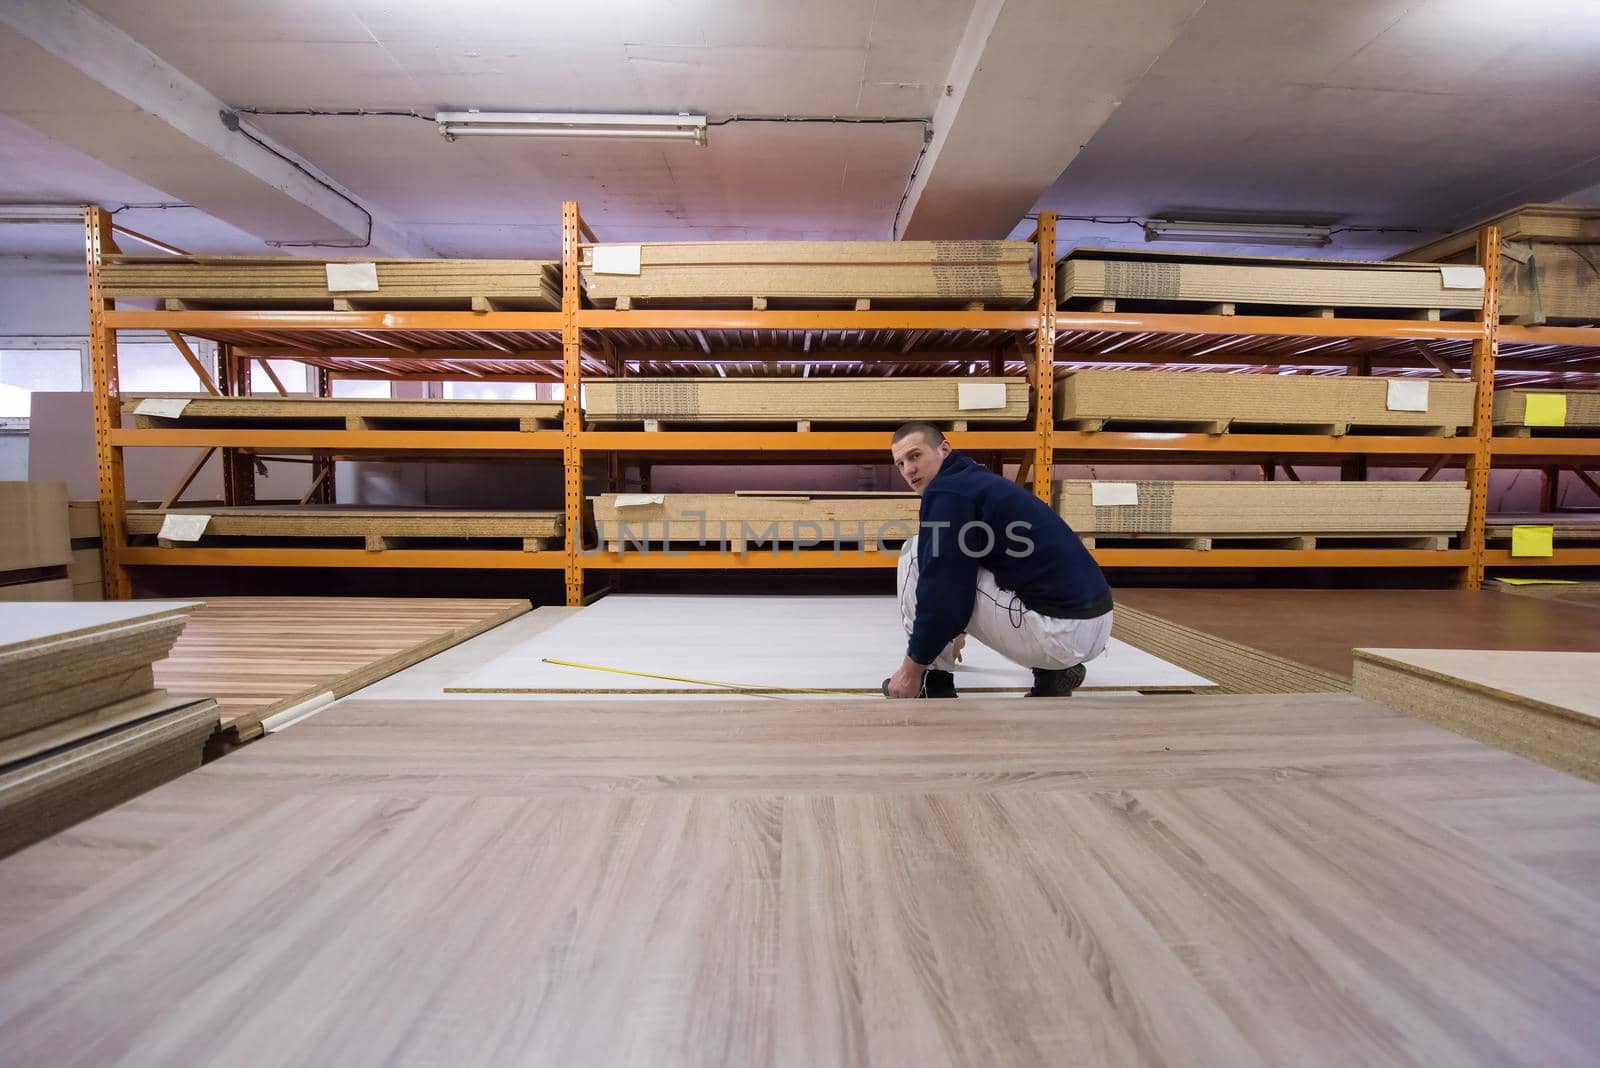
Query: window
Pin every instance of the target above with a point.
(489, 390)
(26, 371)
(357, 387)
(158, 367)
(292, 373)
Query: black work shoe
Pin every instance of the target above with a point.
(1052, 683)
(934, 684)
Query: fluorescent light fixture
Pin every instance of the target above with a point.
(1240, 233)
(454, 124)
(59, 214)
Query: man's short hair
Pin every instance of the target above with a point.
(931, 434)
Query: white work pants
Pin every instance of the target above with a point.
(1004, 624)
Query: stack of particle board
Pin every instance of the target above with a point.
(799, 400)
(35, 545)
(992, 272)
(82, 725)
(1099, 397)
(1234, 666)
(1549, 261)
(738, 519)
(85, 571)
(1115, 274)
(284, 281)
(1551, 409)
(1540, 705)
(351, 413)
(1262, 509)
(1564, 526)
(375, 524)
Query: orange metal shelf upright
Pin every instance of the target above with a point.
(551, 346)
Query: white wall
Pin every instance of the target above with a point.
(39, 297)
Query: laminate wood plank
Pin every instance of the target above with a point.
(1320, 628)
(260, 655)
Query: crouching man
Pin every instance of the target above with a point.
(992, 561)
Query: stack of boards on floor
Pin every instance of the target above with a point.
(82, 724)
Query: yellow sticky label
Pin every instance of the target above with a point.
(1533, 541)
(1545, 409)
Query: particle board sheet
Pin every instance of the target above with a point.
(33, 526)
(262, 655)
(1562, 223)
(936, 271)
(1565, 526)
(1582, 406)
(1282, 508)
(1169, 276)
(1541, 705)
(741, 517)
(1287, 400)
(789, 400)
(1156, 880)
(201, 410)
(1287, 635)
(847, 644)
(252, 280)
(1580, 594)
(56, 589)
(48, 790)
(309, 520)
(59, 660)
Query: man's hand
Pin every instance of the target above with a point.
(907, 681)
(958, 643)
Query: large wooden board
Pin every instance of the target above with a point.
(1582, 406)
(1563, 223)
(340, 412)
(1258, 640)
(788, 400)
(990, 271)
(1545, 706)
(33, 526)
(769, 644)
(255, 281)
(741, 518)
(1169, 276)
(1268, 508)
(1270, 400)
(308, 520)
(1239, 881)
(261, 655)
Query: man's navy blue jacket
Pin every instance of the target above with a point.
(1032, 552)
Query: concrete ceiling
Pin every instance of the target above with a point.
(1369, 113)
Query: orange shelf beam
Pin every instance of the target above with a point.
(478, 559)
(1023, 319)
(1550, 447)
(785, 440)
(1550, 335)
(1562, 558)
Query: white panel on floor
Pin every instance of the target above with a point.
(823, 643)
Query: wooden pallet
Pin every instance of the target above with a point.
(866, 402)
(744, 303)
(338, 413)
(1247, 426)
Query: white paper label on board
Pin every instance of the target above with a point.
(1407, 396)
(352, 278)
(162, 407)
(184, 526)
(616, 259)
(1103, 494)
(1469, 277)
(971, 396)
(639, 500)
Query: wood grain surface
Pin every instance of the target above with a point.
(1254, 880)
(260, 655)
(1320, 628)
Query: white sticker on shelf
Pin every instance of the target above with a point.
(1469, 277)
(972, 396)
(161, 407)
(352, 277)
(183, 526)
(1103, 494)
(639, 500)
(616, 259)
(1406, 395)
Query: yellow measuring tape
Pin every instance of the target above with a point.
(742, 687)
